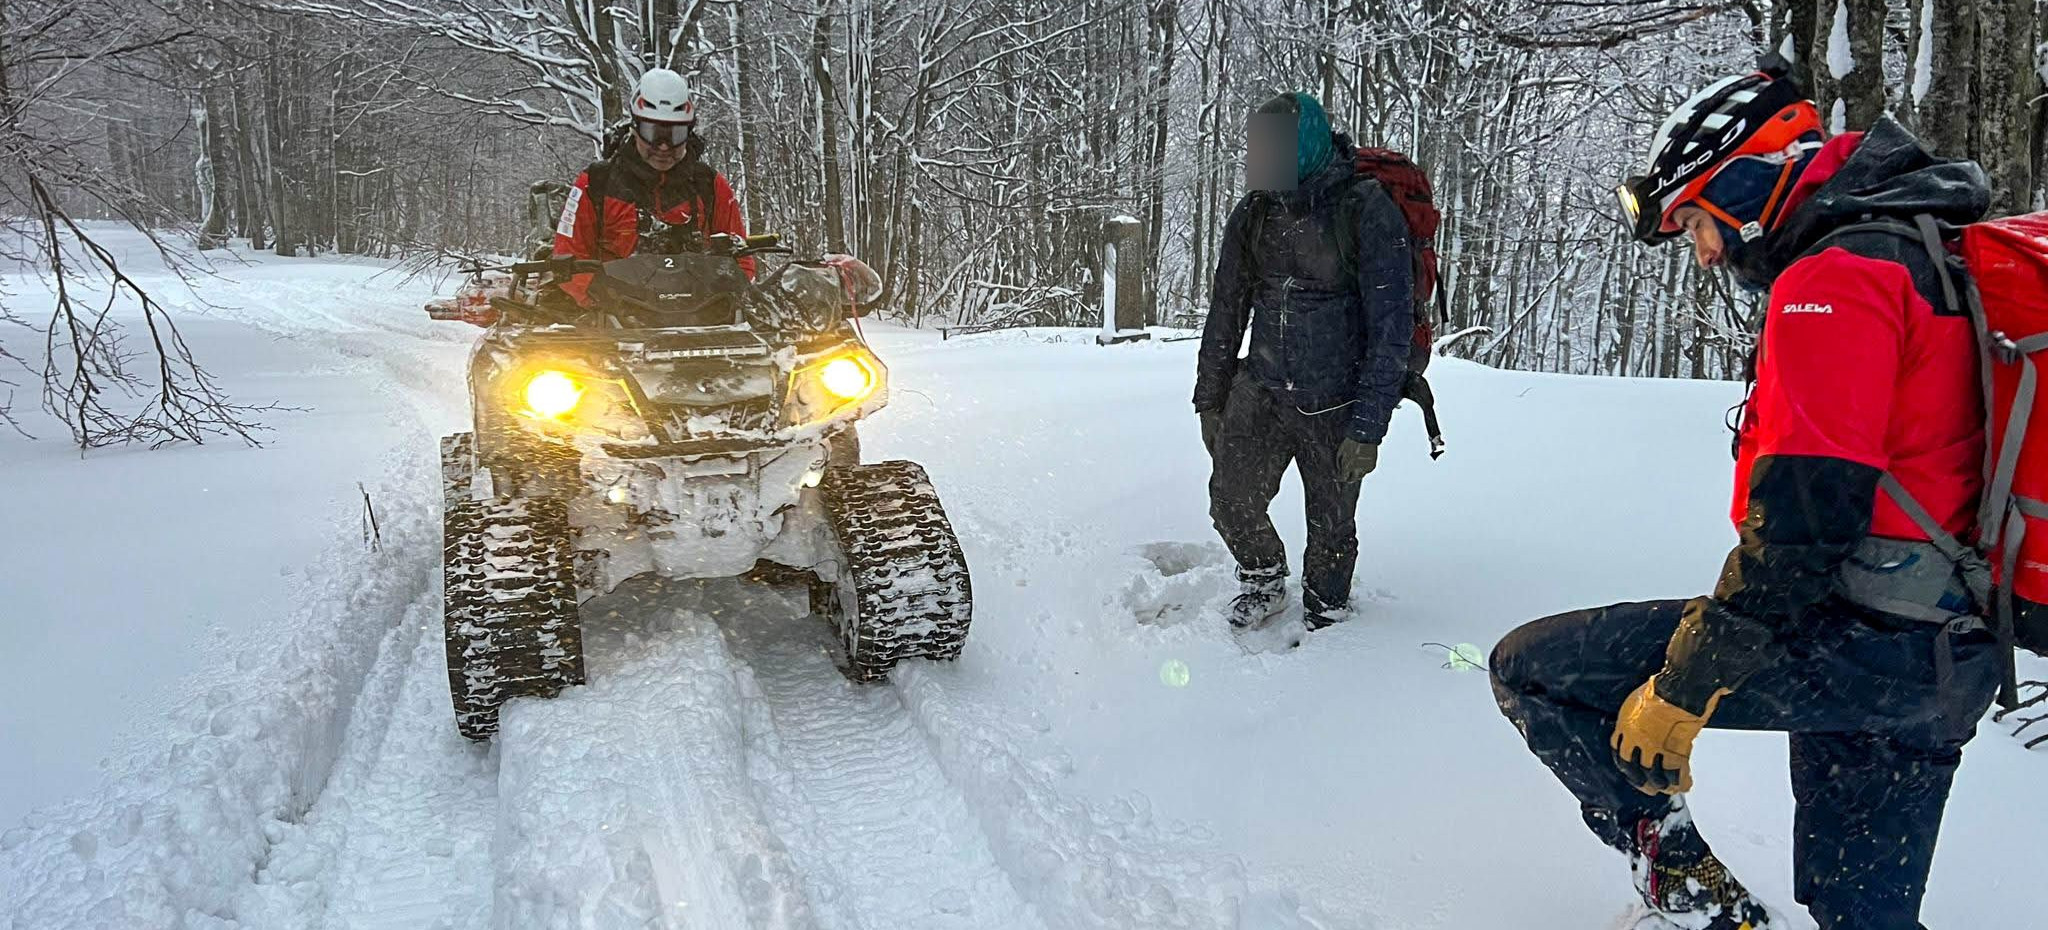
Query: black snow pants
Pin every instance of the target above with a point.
(1874, 743)
(1259, 438)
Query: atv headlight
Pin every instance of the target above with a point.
(551, 394)
(843, 379)
(847, 378)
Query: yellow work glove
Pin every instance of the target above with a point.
(1653, 740)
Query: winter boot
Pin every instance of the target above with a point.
(1317, 613)
(1682, 882)
(1261, 596)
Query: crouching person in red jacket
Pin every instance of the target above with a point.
(1835, 618)
(658, 185)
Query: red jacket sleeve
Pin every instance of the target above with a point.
(726, 216)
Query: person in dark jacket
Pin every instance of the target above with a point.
(1322, 276)
(1835, 619)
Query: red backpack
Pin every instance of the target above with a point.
(2005, 294)
(1408, 186)
(1406, 183)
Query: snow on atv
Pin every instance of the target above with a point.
(691, 423)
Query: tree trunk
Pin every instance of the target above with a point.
(828, 127)
(1164, 35)
(1952, 78)
(2007, 85)
(1849, 73)
(1794, 24)
(743, 82)
(213, 205)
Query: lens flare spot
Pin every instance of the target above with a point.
(1174, 673)
(1466, 657)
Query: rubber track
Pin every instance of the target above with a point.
(509, 606)
(910, 582)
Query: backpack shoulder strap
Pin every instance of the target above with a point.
(1998, 528)
(1350, 205)
(1256, 205)
(596, 185)
(1923, 230)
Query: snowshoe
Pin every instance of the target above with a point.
(1682, 882)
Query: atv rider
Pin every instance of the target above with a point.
(1316, 259)
(657, 185)
(1835, 619)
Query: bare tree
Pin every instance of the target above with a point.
(104, 391)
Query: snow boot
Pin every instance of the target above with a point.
(1317, 613)
(1261, 596)
(1682, 882)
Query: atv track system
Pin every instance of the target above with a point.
(509, 597)
(903, 590)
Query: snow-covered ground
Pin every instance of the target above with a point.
(225, 709)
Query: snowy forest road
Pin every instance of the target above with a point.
(717, 771)
(264, 672)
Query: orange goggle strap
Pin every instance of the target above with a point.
(1767, 219)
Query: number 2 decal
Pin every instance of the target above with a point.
(668, 263)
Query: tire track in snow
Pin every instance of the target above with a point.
(628, 802)
(883, 838)
(416, 813)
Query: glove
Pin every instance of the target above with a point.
(1212, 424)
(1355, 460)
(1653, 740)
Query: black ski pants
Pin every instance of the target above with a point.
(1259, 438)
(1874, 743)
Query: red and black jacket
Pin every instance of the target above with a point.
(690, 193)
(1860, 370)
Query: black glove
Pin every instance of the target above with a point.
(1355, 460)
(1714, 650)
(1212, 424)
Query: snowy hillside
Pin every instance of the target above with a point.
(225, 708)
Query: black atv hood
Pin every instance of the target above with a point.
(1885, 174)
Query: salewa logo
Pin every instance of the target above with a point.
(1808, 308)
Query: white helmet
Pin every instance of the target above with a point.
(664, 96)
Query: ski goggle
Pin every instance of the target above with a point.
(1646, 225)
(654, 132)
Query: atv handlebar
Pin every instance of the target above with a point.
(564, 265)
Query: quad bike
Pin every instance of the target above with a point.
(690, 423)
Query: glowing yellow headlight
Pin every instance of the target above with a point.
(847, 378)
(552, 394)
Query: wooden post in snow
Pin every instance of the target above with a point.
(1123, 307)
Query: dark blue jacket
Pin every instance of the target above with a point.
(1327, 330)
